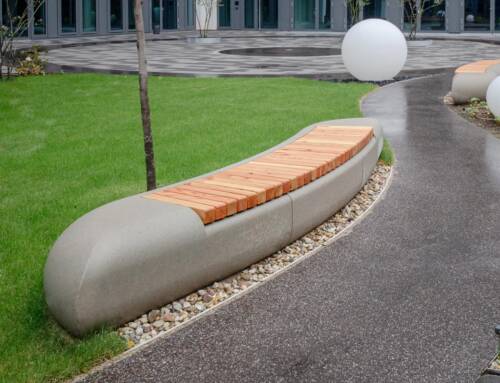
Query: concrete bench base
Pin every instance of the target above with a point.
(132, 255)
(472, 80)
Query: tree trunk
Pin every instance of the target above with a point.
(413, 32)
(143, 89)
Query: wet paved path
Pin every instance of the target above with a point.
(411, 295)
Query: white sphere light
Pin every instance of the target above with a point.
(493, 97)
(374, 50)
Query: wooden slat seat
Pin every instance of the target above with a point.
(477, 66)
(269, 176)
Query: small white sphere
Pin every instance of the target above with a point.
(493, 97)
(374, 50)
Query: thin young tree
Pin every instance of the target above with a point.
(143, 90)
(204, 11)
(12, 26)
(413, 11)
(354, 8)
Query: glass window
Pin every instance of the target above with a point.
(497, 15)
(477, 15)
(408, 14)
(156, 13)
(40, 17)
(190, 13)
(169, 14)
(250, 13)
(303, 11)
(224, 13)
(68, 16)
(351, 17)
(116, 15)
(131, 15)
(16, 8)
(434, 17)
(374, 9)
(89, 15)
(269, 14)
(325, 15)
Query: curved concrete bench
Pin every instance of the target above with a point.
(472, 80)
(132, 255)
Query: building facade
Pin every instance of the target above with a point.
(62, 18)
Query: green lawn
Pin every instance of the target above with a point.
(69, 143)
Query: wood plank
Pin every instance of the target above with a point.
(321, 168)
(308, 173)
(241, 200)
(477, 67)
(206, 213)
(344, 131)
(272, 189)
(252, 197)
(296, 177)
(285, 181)
(325, 142)
(326, 164)
(220, 208)
(259, 192)
(231, 203)
(329, 158)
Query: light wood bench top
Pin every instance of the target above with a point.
(477, 67)
(269, 176)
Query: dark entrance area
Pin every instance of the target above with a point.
(169, 14)
(269, 14)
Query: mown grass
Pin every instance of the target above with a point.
(69, 143)
(387, 154)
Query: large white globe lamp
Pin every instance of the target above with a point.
(493, 97)
(374, 50)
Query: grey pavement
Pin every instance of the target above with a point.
(178, 35)
(411, 295)
(177, 56)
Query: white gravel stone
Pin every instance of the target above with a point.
(172, 314)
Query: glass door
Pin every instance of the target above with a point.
(303, 11)
(131, 15)
(497, 15)
(225, 13)
(116, 15)
(169, 14)
(250, 13)
(477, 15)
(269, 14)
(374, 9)
(325, 14)
(39, 17)
(89, 16)
(434, 18)
(189, 13)
(68, 16)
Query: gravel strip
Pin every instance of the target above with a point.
(161, 320)
(478, 113)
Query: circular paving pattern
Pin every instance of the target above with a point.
(179, 57)
(283, 51)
